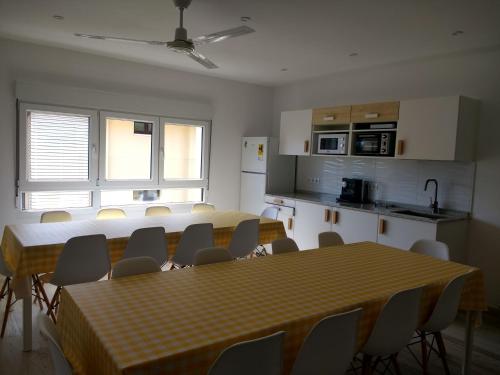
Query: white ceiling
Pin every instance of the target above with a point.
(308, 37)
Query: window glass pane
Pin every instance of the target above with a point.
(57, 146)
(183, 151)
(128, 149)
(138, 197)
(51, 200)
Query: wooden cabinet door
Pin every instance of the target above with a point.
(402, 233)
(310, 220)
(354, 226)
(375, 112)
(295, 132)
(332, 115)
(427, 129)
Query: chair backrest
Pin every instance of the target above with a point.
(326, 239)
(263, 356)
(395, 324)
(149, 242)
(270, 212)
(446, 308)
(194, 238)
(83, 259)
(284, 245)
(158, 211)
(211, 255)
(110, 213)
(433, 248)
(4, 269)
(48, 330)
(135, 266)
(55, 217)
(202, 207)
(330, 345)
(245, 238)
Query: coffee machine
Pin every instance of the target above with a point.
(354, 190)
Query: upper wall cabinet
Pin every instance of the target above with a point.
(332, 115)
(375, 112)
(295, 132)
(437, 129)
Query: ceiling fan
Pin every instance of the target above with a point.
(181, 43)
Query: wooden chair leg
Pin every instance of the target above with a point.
(41, 289)
(367, 365)
(52, 305)
(423, 344)
(5, 286)
(442, 351)
(394, 359)
(6, 313)
(36, 289)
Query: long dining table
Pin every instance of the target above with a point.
(178, 322)
(30, 249)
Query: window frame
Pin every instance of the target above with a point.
(127, 184)
(26, 185)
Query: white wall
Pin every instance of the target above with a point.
(475, 74)
(237, 109)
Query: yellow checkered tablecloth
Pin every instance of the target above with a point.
(177, 322)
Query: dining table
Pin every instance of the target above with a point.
(179, 321)
(31, 249)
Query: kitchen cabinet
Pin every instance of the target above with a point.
(437, 129)
(331, 115)
(402, 233)
(375, 112)
(310, 220)
(295, 132)
(354, 226)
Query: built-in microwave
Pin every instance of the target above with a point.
(374, 143)
(332, 143)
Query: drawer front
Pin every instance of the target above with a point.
(280, 201)
(332, 115)
(375, 112)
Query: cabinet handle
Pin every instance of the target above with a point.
(329, 118)
(327, 215)
(381, 226)
(335, 217)
(290, 223)
(401, 147)
(372, 115)
(306, 146)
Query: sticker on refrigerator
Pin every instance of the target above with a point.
(260, 152)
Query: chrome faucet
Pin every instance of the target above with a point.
(434, 205)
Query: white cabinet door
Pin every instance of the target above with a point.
(295, 132)
(402, 233)
(310, 220)
(354, 226)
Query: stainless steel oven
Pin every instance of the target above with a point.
(332, 143)
(374, 143)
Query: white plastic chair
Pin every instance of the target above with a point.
(5, 291)
(48, 330)
(393, 328)
(211, 255)
(245, 238)
(284, 245)
(202, 207)
(158, 211)
(443, 315)
(83, 259)
(270, 212)
(263, 356)
(149, 242)
(135, 266)
(55, 217)
(110, 213)
(329, 346)
(432, 248)
(326, 239)
(194, 238)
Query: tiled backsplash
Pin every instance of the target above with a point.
(400, 181)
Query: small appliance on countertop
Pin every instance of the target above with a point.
(354, 190)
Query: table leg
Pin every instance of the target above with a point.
(27, 318)
(469, 342)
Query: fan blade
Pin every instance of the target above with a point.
(223, 35)
(198, 57)
(116, 39)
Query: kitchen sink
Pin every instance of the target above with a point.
(427, 215)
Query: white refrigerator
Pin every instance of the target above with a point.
(263, 171)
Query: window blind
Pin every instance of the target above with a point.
(52, 200)
(57, 146)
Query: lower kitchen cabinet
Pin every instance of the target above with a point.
(310, 220)
(354, 226)
(402, 233)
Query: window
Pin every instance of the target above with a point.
(162, 196)
(53, 200)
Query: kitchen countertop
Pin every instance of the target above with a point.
(383, 208)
